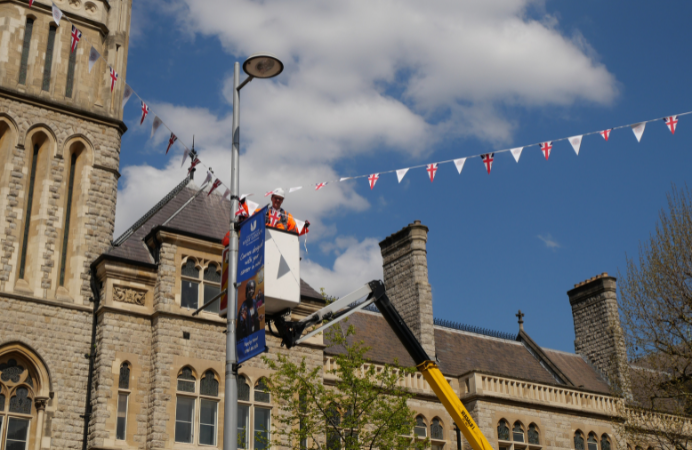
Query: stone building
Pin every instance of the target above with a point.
(98, 345)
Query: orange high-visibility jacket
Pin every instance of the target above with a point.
(286, 221)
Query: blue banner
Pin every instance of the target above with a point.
(250, 338)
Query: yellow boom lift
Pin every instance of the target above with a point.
(291, 333)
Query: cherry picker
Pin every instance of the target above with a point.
(291, 334)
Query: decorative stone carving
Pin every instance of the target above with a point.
(129, 295)
(90, 7)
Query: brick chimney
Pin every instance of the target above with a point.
(405, 266)
(597, 330)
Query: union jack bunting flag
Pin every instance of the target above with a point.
(76, 36)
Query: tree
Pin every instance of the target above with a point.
(656, 306)
(354, 405)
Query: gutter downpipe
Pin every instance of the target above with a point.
(92, 355)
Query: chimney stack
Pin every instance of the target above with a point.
(597, 330)
(405, 267)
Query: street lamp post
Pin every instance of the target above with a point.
(260, 65)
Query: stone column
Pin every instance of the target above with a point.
(405, 266)
(40, 404)
(597, 330)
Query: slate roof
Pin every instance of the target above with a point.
(206, 217)
(460, 352)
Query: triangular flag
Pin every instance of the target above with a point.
(671, 123)
(460, 164)
(155, 126)
(319, 186)
(245, 196)
(208, 178)
(216, 184)
(488, 159)
(126, 94)
(293, 189)
(185, 153)
(145, 111)
(75, 37)
(31, 3)
(344, 178)
(576, 143)
(638, 130)
(299, 225)
(227, 193)
(432, 170)
(114, 78)
(606, 133)
(171, 141)
(57, 14)
(401, 173)
(251, 206)
(93, 57)
(546, 147)
(516, 152)
(267, 194)
(372, 179)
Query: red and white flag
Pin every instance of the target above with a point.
(459, 163)
(145, 111)
(268, 193)
(171, 141)
(114, 77)
(319, 186)
(372, 179)
(216, 184)
(576, 143)
(606, 133)
(274, 217)
(76, 36)
(516, 152)
(546, 147)
(671, 122)
(400, 174)
(31, 3)
(488, 159)
(194, 164)
(638, 130)
(432, 170)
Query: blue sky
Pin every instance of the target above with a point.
(373, 86)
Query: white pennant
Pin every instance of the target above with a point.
(293, 189)
(460, 164)
(227, 193)
(299, 225)
(155, 126)
(344, 179)
(57, 14)
(93, 57)
(400, 174)
(128, 90)
(243, 196)
(576, 143)
(251, 206)
(516, 152)
(638, 130)
(208, 178)
(187, 152)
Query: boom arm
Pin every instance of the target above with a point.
(291, 332)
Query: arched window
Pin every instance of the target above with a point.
(212, 286)
(123, 397)
(518, 432)
(52, 30)
(421, 428)
(592, 442)
(333, 422)
(578, 440)
(605, 442)
(503, 430)
(192, 428)
(533, 434)
(26, 45)
(638, 448)
(189, 295)
(436, 430)
(254, 407)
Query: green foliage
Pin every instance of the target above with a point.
(355, 405)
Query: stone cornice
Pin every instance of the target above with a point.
(43, 301)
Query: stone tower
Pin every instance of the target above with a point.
(405, 264)
(60, 131)
(597, 330)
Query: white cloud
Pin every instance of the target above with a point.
(549, 241)
(357, 263)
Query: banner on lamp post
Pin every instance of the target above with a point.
(250, 337)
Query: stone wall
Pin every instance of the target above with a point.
(405, 266)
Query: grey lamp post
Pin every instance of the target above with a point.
(260, 65)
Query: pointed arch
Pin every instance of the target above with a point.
(32, 362)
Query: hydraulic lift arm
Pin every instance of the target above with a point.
(291, 334)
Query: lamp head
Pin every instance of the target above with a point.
(263, 65)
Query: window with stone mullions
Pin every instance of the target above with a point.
(16, 405)
(199, 284)
(192, 427)
(123, 397)
(515, 438)
(253, 408)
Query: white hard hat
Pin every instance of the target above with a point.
(279, 192)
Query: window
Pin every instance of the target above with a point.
(605, 442)
(24, 64)
(503, 431)
(68, 213)
(518, 433)
(28, 210)
(123, 395)
(592, 442)
(16, 405)
(437, 434)
(49, 57)
(533, 434)
(256, 412)
(192, 427)
(578, 441)
(517, 438)
(71, 62)
(421, 429)
(199, 284)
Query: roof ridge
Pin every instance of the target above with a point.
(156, 208)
